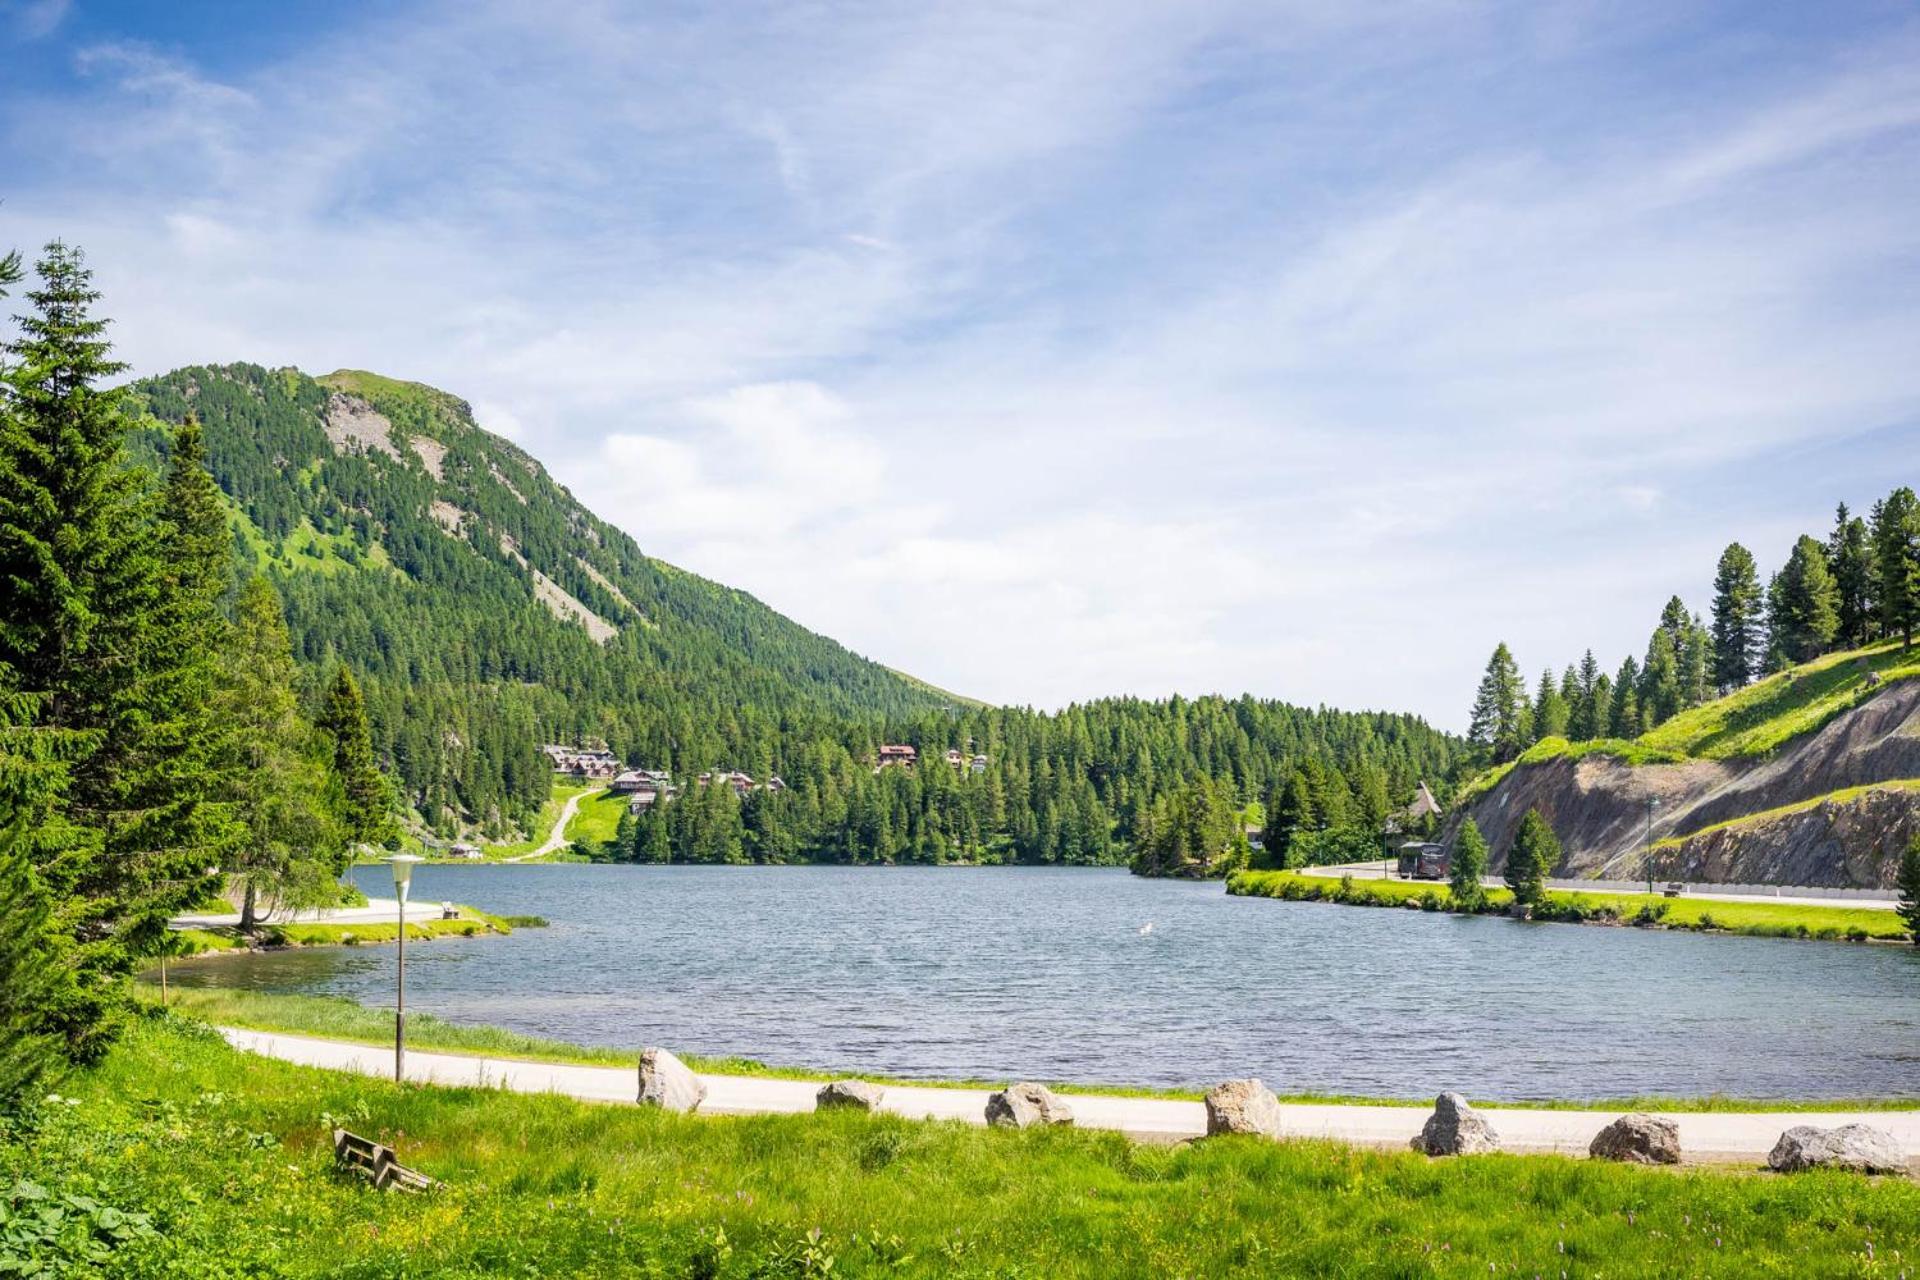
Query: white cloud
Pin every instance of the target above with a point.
(34, 19)
(1306, 349)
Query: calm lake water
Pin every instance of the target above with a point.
(1001, 972)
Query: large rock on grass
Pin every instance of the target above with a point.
(1455, 1129)
(1638, 1139)
(1858, 1148)
(1242, 1106)
(854, 1095)
(1024, 1105)
(668, 1083)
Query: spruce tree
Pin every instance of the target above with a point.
(1803, 614)
(29, 1050)
(1660, 686)
(1532, 857)
(90, 631)
(1850, 560)
(366, 812)
(1601, 714)
(292, 845)
(1500, 713)
(1737, 610)
(1909, 885)
(1550, 710)
(1896, 555)
(1466, 866)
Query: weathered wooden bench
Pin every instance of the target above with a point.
(1675, 889)
(376, 1163)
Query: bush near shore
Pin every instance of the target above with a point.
(1759, 918)
(183, 1157)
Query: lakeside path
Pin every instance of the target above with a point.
(377, 911)
(1705, 1137)
(557, 838)
(1374, 870)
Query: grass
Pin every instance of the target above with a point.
(596, 820)
(543, 826)
(1844, 796)
(1759, 918)
(1762, 716)
(231, 1158)
(471, 923)
(333, 1018)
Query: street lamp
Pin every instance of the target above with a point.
(403, 864)
(1652, 804)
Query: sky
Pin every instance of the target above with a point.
(1050, 351)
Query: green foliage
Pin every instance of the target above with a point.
(1896, 563)
(1501, 724)
(1803, 606)
(1762, 716)
(28, 1050)
(1909, 884)
(219, 1148)
(1737, 609)
(1194, 832)
(1533, 854)
(1466, 866)
(366, 810)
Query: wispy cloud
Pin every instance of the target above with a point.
(1062, 350)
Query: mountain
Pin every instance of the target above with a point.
(1811, 776)
(485, 608)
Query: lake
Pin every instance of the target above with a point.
(1001, 973)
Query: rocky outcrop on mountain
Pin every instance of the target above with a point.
(1597, 806)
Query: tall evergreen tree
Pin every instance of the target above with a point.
(292, 845)
(1466, 866)
(366, 814)
(1803, 609)
(1660, 685)
(1624, 719)
(1737, 612)
(1850, 560)
(1896, 557)
(87, 627)
(1550, 710)
(28, 977)
(1500, 716)
(1532, 857)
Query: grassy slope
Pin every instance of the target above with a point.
(549, 814)
(1759, 918)
(596, 820)
(231, 1156)
(472, 923)
(333, 1018)
(1846, 795)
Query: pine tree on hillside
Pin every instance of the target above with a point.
(1534, 854)
(1696, 665)
(1737, 612)
(366, 815)
(89, 630)
(1550, 710)
(1585, 721)
(1601, 715)
(1896, 555)
(1850, 560)
(1909, 885)
(292, 846)
(1625, 720)
(1467, 864)
(1660, 688)
(1803, 614)
(1500, 713)
(29, 1051)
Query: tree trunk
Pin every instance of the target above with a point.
(247, 920)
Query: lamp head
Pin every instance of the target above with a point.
(403, 864)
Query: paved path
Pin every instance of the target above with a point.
(377, 911)
(1708, 1137)
(557, 838)
(1375, 871)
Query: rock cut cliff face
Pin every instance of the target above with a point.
(1597, 806)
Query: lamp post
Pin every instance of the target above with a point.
(403, 864)
(1652, 804)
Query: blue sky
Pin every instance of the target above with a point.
(1051, 350)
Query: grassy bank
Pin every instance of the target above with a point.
(597, 820)
(332, 1018)
(1759, 918)
(542, 827)
(226, 1161)
(471, 923)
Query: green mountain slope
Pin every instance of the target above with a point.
(487, 609)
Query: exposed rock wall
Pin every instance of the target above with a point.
(1598, 807)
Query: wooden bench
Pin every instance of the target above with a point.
(376, 1163)
(1675, 889)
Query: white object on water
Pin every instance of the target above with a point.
(1146, 928)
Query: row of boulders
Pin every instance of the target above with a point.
(1248, 1107)
(668, 1083)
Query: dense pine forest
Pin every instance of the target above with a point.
(419, 550)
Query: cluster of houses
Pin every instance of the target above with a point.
(644, 788)
(895, 754)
